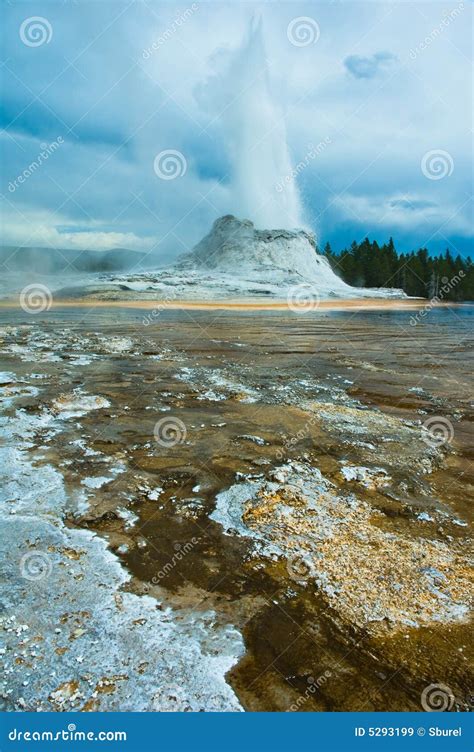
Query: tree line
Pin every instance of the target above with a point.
(367, 264)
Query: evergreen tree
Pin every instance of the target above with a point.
(367, 264)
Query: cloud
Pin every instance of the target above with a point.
(369, 67)
(42, 234)
(38, 121)
(410, 213)
(116, 110)
(411, 204)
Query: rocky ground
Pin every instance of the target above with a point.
(225, 513)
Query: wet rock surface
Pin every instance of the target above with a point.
(219, 512)
(325, 538)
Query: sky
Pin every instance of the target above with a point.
(130, 105)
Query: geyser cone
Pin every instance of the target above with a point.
(235, 246)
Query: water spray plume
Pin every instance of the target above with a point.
(255, 136)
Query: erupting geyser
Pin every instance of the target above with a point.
(246, 258)
(239, 256)
(256, 137)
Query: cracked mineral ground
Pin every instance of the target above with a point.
(235, 511)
